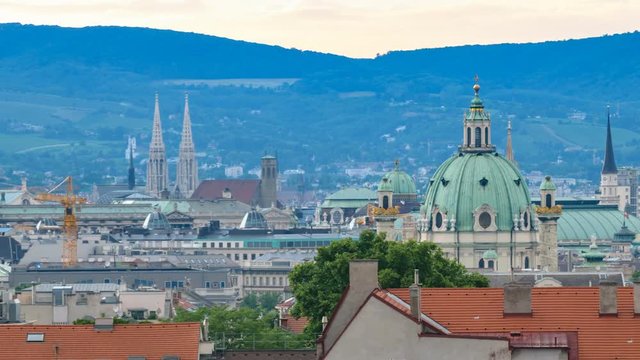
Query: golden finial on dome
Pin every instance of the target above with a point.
(476, 87)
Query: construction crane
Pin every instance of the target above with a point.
(69, 201)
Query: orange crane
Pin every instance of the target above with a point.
(69, 201)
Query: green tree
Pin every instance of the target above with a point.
(245, 328)
(264, 302)
(318, 285)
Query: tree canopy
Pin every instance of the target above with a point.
(318, 285)
(245, 328)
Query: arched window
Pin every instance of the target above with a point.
(439, 220)
(486, 136)
(481, 264)
(526, 219)
(490, 264)
(478, 137)
(526, 262)
(547, 200)
(385, 202)
(468, 136)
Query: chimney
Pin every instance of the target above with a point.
(363, 275)
(609, 298)
(636, 297)
(414, 296)
(103, 324)
(517, 299)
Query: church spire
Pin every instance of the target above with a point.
(187, 173)
(132, 171)
(509, 152)
(609, 166)
(157, 174)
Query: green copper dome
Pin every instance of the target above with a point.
(399, 181)
(547, 184)
(385, 184)
(467, 181)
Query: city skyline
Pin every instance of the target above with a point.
(357, 29)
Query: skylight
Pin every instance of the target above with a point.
(35, 337)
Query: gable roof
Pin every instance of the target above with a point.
(473, 311)
(152, 341)
(245, 191)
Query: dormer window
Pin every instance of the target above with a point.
(485, 219)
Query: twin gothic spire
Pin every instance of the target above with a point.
(157, 168)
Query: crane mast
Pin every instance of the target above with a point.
(69, 201)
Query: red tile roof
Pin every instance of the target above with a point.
(245, 191)
(564, 309)
(83, 342)
(294, 325)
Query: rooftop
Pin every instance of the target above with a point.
(563, 309)
(150, 341)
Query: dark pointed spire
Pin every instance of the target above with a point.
(609, 166)
(132, 170)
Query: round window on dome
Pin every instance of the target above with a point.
(484, 220)
(439, 220)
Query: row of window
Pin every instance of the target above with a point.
(267, 280)
(222, 244)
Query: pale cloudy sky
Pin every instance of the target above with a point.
(359, 28)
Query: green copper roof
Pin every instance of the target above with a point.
(350, 198)
(466, 181)
(476, 109)
(547, 184)
(601, 221)
(385, 185)
(490, 255)
(400, 182)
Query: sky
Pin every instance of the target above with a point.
(356, 28)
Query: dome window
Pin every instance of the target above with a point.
(484, 220)
(517, 181)
(439, 220)
(484, 181)
(444, 182)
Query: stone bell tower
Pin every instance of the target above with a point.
(548, 214)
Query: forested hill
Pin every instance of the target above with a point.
(69, 97)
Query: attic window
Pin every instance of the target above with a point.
(35, 337)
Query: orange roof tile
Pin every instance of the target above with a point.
(83, 342)
(564, 309)
(295, 325)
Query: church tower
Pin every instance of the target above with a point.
(477, 126)
(269, 182)
(609, 176)
(157, 174)
(548, 214)
(187, 172)
(132, 171)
